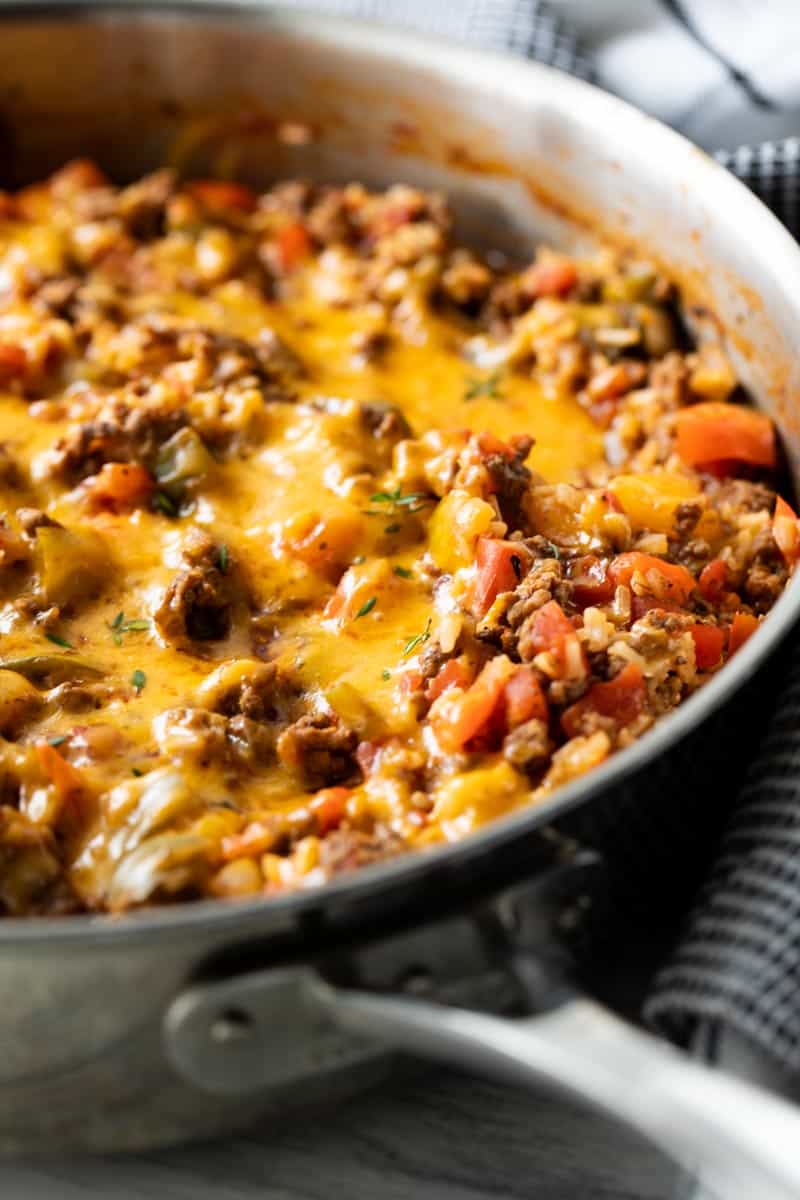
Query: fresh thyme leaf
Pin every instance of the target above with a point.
(386, 675)
(417, 640)
(395, 501)
(366, 607)
(135, 771)
(223, 558)
(516, 566)
(554, 550)
(166, 504)
(119, 626)
(488, 387)
(404, 572)
(58, 740)
(59, 641)
(386, 497)
(138, 679)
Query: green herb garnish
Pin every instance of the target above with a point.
(59, 641)
(395, 502)
(138, 680)
(488, 387)
(417, 640)
(58, 740)
(393, 528)
(223, 558)
(386, 675)
(366, 607)
(362, 558)
(119, 626)
(404, 573)
(135, 771)
(166, 504)
(554, 550)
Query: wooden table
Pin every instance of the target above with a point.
(424, 1134)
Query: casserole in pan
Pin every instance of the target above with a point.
(264, 97)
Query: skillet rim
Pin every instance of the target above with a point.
(261, 917)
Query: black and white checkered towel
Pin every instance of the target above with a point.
(726, 72)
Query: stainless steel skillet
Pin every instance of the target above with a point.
(189, 1021)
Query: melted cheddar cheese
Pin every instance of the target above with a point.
(325, 539)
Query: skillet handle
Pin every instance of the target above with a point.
(745, 1141)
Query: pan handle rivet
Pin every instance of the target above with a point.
(232, 1025)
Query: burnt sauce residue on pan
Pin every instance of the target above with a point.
(326, 539)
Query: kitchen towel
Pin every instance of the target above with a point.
(721, 71)
(724, 72)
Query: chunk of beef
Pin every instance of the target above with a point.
(320, 748)
(766, 574)
(742, 495)
(528, 746)
(120, 432)
(142, 205)
(197, 605)
(511, 480)
(256, 691)
(349, 849)
(384, 421)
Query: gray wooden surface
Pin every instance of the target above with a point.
(425, 1133)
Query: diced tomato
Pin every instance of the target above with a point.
(524, 698)
(410, 681)
(220, 194)
(742, 627)
(713, 580)
(708, 643)
(550, 277)
(293, 245)
(454, 673)
(591, 583)
(786, 531)
(13, 360)
(675, 584)
(621, 698)
(500, 568)
(716, 432)
(120, 485)
(459, 716)
(549, 627)
(552, 631)
(329, 807)
(67, 781)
